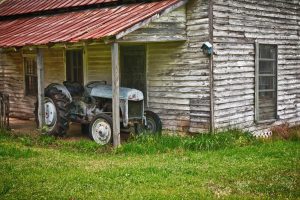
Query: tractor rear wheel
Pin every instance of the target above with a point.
(56, 112)
(153, 124)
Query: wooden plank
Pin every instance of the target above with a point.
(116, 93)
(99, 63)
(149, 20)
(41, 95)
(238, 25)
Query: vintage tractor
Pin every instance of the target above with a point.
(91, 106)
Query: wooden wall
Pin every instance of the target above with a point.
(197, 63)
(13, 85)
(12, 78)
(169, 27)
(98, 63)
(237, 25)
(178, 75)
(54, 64)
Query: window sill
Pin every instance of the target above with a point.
(269, 121)
(29, 96)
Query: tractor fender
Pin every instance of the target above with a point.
(60, 87)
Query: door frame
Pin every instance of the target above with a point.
(145, 45)
(84, 61)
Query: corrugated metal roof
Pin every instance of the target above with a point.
(15, 7)
(77, 26)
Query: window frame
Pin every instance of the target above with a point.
(25, 74)
(257, 82)
(83, 54)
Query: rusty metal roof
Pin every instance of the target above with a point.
(16, 7)
(77, 26)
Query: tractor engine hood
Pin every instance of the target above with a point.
(105, 91)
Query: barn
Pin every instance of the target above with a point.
(250, 80)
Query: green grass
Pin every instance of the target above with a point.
(231, 165)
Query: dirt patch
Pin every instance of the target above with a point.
(28, 127)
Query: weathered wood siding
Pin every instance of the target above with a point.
(171, 26)
(13, 85)
(12, 79)
(178, 75)
(54, 64)
(237, 25)
(98, 63)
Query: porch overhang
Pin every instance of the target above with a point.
(110, 24)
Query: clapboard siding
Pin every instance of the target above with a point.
(54, 65)
(13, 85)
(237, 25)
(13, 78)
(178, 75)
(194, 59)
(98, 63)
(165, 83)
(171, 26)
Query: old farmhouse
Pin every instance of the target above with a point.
(248, 79)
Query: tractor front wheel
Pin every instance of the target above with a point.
(101, 129)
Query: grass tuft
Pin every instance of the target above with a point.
(146, 144)
(284, 131)
(8, 151)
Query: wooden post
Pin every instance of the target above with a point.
(211, 70)
(116, 94)
(40, 75)
(256, 104)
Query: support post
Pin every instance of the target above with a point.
(41, 96)
(211, 69)
(116, 94)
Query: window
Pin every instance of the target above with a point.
(266, 82)
(74, 65)
(30, 71)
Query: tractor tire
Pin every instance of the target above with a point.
(101, 129)
(153, 127)
(56, 112)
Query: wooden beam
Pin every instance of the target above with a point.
(40, 75)
(256, 104)
(211, 69)
(154, 38)
(116, 94)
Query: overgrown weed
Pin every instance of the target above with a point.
(286, 132)
(152, 144)
(145, 144)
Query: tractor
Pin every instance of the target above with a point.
(91, 106)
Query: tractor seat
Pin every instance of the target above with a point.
(75, 88)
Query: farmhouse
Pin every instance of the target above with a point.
(250, 79)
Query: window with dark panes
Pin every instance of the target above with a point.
(266, 72)
(74, 65)
(30, 71)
